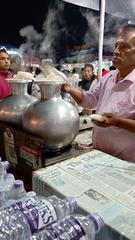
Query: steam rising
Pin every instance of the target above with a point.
(44, 43)
(54, 26)
(33, 38)
(91, 36)
(51, 30)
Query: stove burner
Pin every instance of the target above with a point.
(50, 152)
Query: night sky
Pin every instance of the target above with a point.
(16, 15)
(55, 27)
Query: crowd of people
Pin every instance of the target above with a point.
(10, 64)
(113, 95)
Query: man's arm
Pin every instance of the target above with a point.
(128, 124)
(77, 94)
(114, 120)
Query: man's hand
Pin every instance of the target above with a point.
(66, 87)
(111, 120)
(75, 93)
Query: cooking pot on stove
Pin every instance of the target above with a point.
(52, 118)
(12, 107)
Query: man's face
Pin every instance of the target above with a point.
(87, 73)
(4, 61)
(124, 52)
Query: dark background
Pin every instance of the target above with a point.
(16, 14)
(71, 28)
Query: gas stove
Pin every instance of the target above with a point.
(85, 122)
(62, 154)
(28, 153)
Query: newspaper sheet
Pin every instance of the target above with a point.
(100, 183)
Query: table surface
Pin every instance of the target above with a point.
(100, 183)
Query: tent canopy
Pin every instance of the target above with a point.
(120, 8)
(85, 3)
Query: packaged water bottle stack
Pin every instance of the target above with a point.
(25, 215)
(73, 227)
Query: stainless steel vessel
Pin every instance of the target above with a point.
(53, 119)
(12, 107)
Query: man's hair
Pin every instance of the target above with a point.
(89, 65)
(126, 28)
(15, 58)
(3, 49)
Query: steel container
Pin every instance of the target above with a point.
(13, 106)
(52, 118)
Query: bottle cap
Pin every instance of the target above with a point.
(8, 176)
(6, 165)
(18, 183)
(31, 194)
(97, 220)
(72, 204)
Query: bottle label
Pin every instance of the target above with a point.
(67, 229)
(39, 213)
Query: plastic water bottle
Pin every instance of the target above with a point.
(5, 179)
(7, 184)
(37, 211)
(74, 227)
(4, 166)
(13, 225)
(2, 171)
(2, 197)
(18, 191)
(9, 180)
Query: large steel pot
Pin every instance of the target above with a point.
(53, 119)
(12, 107)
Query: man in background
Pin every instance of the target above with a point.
(88, 77)
(104, 72)
(88, 82)
(5, 89)
(15, 62)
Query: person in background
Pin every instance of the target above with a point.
(114, 97)
(5, 89)
(66, 72)
(111, 68)
(77, 70)
(15, 63)
(37, 71)
(87, 83)
(33, 88)
(88, 77)
(104, 72)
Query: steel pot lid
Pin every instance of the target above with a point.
(13, 80)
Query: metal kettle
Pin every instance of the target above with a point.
(53, 119)
(12, 107)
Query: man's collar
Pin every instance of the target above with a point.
(129, 77)
(4, 73)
